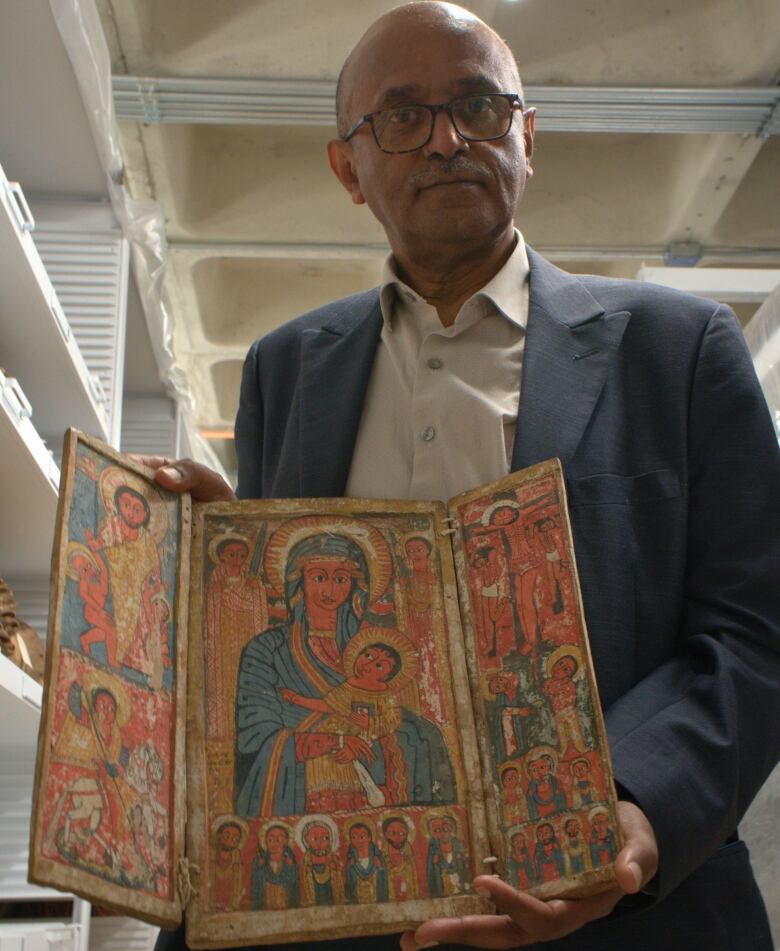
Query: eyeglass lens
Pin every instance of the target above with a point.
(405, 128)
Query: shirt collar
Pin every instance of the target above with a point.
(506, 290)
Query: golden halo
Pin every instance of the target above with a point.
(76, 548)
(515, 764)
(383, 635)
(217, 540)
(109, 481)
(269, 824)
(369, 539)
(439, 812)
(597, 811)
(317, 818)
(229, 820)
(360, 820)
(536, 753)
(499, 504)
(401, 817)
(513, 830)
(567, 650)
(100, 679)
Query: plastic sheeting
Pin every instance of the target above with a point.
(143, 222)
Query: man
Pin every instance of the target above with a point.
(648, 398)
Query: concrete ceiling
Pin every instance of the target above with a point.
(235, 196)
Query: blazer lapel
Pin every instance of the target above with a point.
(336, 363)
(569, 346)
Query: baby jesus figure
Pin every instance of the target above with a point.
(362, 714)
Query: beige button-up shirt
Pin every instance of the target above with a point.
(441, 406)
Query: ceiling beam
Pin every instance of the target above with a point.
(331, 251)
(721, 165)
(737, 285)
(205, 100)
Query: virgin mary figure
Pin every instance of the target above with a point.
(330, 569)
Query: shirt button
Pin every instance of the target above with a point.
(434, 363)
(428, 433)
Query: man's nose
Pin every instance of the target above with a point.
(445, 139)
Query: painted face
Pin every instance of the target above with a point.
(572, 828)
(450, 191)
(326, 584)
(105, 710)
(233, 555)
(540, 768)
(318, 838)
(600, 823)
(509, 778)
(374, 664)
(545, 834)
(275, 841)
(229, 837)
(397, 833)
(131, 509)
(518, 843)
(359, 837)
(580, 770)
(503, 516)
(564, 668)
(441, 829)
(417, 549)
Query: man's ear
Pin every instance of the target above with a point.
(529, 126)
(342, 162)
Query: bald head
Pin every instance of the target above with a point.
(393, 30)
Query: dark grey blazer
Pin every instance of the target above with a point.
(649, 398)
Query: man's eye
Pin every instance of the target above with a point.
(476, 105)
(409, 115)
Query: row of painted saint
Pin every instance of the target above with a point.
(570, 845)
(308, 865)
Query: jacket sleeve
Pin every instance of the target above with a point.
(249, 429)
(693, 741)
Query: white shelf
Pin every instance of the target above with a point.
(39, 936)
(37, 345)
(29, 478)
(20, 708)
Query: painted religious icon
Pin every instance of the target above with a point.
(538, 706)
(352, 676)
(342, 731)
(106, 801)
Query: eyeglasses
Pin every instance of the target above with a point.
(408, 128)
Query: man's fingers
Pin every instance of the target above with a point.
(185, 475)
(545, 920)
(637, 861)
(479, 931)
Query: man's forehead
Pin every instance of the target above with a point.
(405, 57)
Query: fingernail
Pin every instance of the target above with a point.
(636, 871)
(481, 892)
(430, 944)
(172, 473)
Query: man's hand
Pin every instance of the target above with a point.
(184, 475)
(523, 920)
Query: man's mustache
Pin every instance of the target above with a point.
(449, 170)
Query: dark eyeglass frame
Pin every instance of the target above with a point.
(513, 98)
